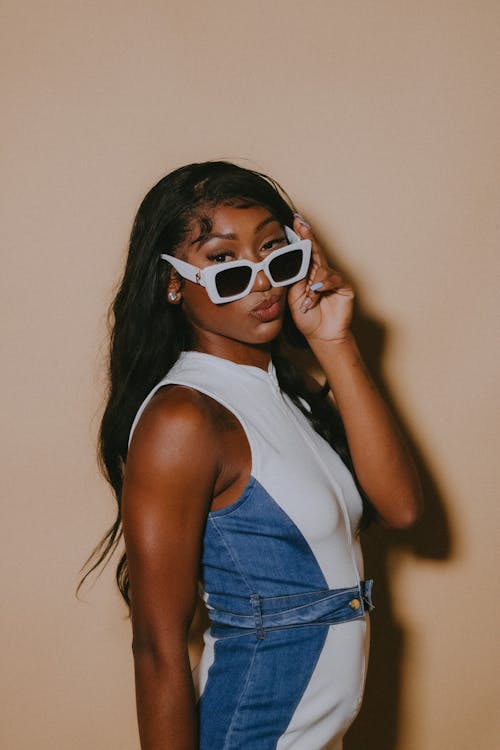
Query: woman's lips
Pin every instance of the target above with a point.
(268, 310)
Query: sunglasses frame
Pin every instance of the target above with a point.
(206, 276)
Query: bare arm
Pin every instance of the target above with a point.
(322, 306)
(383, 464)
(170, 473)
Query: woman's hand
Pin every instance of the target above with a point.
(321, 313)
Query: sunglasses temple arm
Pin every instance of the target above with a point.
(186, 270)
(291, 235)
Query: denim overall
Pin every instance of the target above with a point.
(285, 655)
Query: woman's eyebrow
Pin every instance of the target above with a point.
(262, 224)
(206, 237)
(230, 235)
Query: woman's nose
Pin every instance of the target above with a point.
(261, 282)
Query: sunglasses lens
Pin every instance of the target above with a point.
(286, 266)
(232, 281)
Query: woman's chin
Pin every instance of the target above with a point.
(269, 330)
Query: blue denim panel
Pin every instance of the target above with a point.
(254, 687)
(253, 546)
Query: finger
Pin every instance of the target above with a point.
(325, 277)
(327, 280)
(332, 283)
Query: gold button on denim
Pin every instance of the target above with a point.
(354, 604)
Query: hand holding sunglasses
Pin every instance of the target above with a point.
(227, 282)
(322, 305)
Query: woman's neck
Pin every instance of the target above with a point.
(258, 355)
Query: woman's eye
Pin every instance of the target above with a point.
(274, 244)
(219, 257)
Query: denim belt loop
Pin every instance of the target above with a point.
(366, 593)
(257, 612)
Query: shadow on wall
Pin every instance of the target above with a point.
(378, 723)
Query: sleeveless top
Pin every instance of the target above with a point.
(279, 567)
(305, 480)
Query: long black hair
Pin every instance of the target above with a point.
(148, 334)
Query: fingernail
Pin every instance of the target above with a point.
(306, 305)
(316, 286)
(302, 220)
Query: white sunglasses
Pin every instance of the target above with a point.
(227, 282)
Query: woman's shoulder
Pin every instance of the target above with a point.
(176, 419)
(175, 408)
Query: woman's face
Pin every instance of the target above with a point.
(249, 233)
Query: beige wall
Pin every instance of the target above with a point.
(382, 120)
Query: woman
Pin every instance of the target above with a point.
(238, 478)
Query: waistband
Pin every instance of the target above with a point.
(324, 607)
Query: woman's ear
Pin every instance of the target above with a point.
(174, 288)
